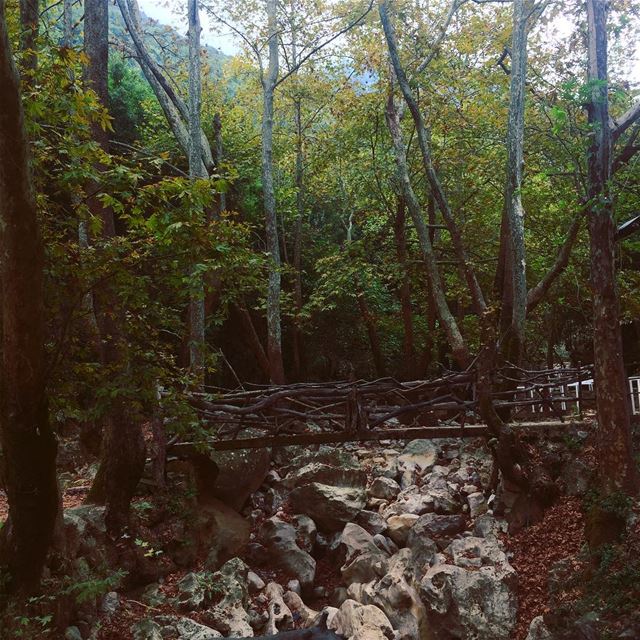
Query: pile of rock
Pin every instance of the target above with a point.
(408, 530)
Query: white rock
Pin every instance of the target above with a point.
(357, 621)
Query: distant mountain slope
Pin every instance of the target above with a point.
(165, 42)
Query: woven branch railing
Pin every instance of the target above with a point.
(315, 412)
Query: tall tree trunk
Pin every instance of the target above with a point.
(408, 346)
(29, 23)
(123, 451)
(298, 346)
(515, 308)
(28, 444)
(464, 264)
(196, 171)
(614, 432)
(274, 328)
(372, 331)
(457, 344)
(218, 156)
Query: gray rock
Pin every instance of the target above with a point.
(385, 544)
(194, 591)
(280, 540)
(184, 629)
(396, 594)
(110, 604)
(477, 504)
(433, 525)
(280, 616)
(254, 582)
(330, 506)
(538, 630)
(146, 630)
(474, 597)
(152, 595)
(230, 594)
(240, 473)
(363, 560)
(417, 457)
(373, 522)
(384, 488)
(306, 532)
(487, 526)
(72, 633)
(294, 585)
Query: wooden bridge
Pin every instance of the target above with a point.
(261, 416)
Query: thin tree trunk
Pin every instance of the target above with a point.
(372, 332)
(218, 158)
(253, 338)
(274, 328)
(28, 443)
(29, 23)
(614, 431)
(456, 341)
(437, 190)
(298, 346)
(174, 107)
(408, 346)
(197, 171)
(123, 450)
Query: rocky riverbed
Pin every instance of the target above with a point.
(397, 541)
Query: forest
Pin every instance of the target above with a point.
(320, 319)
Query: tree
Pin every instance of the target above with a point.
(616, 465)
(123, 451)
(197, 170)
(28, 443)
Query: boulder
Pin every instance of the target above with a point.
(475, 596)
(330, 506)
(477, 504)
(280, 540)
(363, 560)
(437, 526)
(357, 621)
(371, 521)
(146, 630)
(476, 456)
(229, 599)
(384, 488)
(538, 630)
(400, 526)
(306, 532)
(396, 594)
(240, 473)
(280, 616)
(194, 591)
(178, 628)
(304, 615)
(417, 457)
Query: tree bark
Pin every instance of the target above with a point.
(274, 328)
(298, 346)
(408, 345)
(615, 459)
(28, 443)
(516, 307)
(29, 23)
(197, 171)
(123, 450)
(457, 344)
